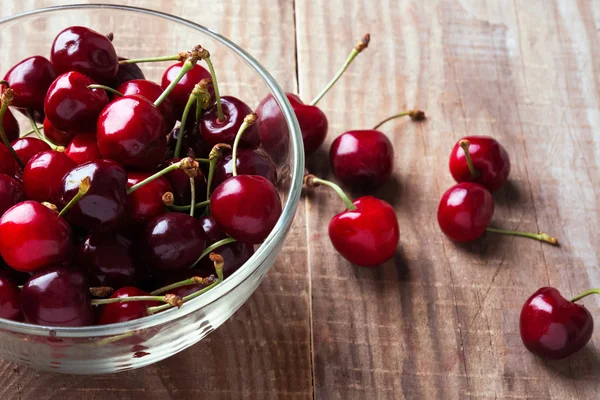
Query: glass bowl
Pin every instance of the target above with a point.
(134, 344)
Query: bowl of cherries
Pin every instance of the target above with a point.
(138, 207)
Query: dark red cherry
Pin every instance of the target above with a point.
(249, 162)
(212, 230)
(125, 73)
(70, 106)
(173, 241)
(27, 147)
(313, 123)
(489, 158)
(180, 184)
(86, 51)
(247, 207)
(11, 126)
(191, 141)
(32, 236)
(103, 207)
(11, 192)
(43, 174)
(465, 211)
(121, 312)
(214, 131)
(57, 296)
(55, 136)
(362, 160)
(151, 91)
(146, 202)
(107, 258)
(274, 132)
(30, 79)
(7, 162)
(554, 327)
(132, 132)
(83, 148)
(17, 277)
(10, 300)
(184, 87)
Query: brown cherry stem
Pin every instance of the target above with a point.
(170, 299)
(360, 46)
(84, 186)
(249, 120)
(39, 135)
(192, 59)
(101, 291)
(7, 98)
(107, 88)
(585, 294)
(215, 155)
(541, 236)
(464, 145)
(188, 165)
(195, 280)
(415, 115)
(212, 247)
(312, 181)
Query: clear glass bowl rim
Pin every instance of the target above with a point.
(266, 248)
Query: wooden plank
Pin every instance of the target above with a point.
(441, 320)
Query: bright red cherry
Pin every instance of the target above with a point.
(180, 183)
(215, 131)
(146, 202)
(10, 300)
(70, 106)
(126, 72)
(183, 90)
(57, 296)
(7, 162)
(554, 327)
(249, 162)
(313, 123)
(27, 147)
(43, 174)
(126, 311)
(103, 207)
(132, 131)
(32, 236)
(11, 192)
(247, 207)
(487, 159)
(83, 148)
(30, 79)
(86, 51)
(55, 136)
(151, 91)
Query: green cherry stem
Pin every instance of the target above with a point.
(107, 88)
(175, 57)
(585, 294)
(360, 46)
(542, 237)
(31, 132)
(249, 120)
(464, 145)
(84, 186)
(193, 99)
(312, 181)
(188, 165)
(203, 160)
(213, 75)
(415, 115)
(210, 248)
(193, 195)
(169, 200)
(194, 56)
(39, 135)
(195, 280)
(171, 300)
(7, 98)
(215, 155)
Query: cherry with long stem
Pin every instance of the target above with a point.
(40, 136)
(541, 236)
(249, 120)
(7, 97)
(415, 115)
(211, 248)
(182, 56)
(465, 144)
(195, 280)
(84, 187)
(192, 59)
(584, 294)
(170, 299)
(311, 180)
(188, 165)
(215, 155)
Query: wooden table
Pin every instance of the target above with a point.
(440, 320)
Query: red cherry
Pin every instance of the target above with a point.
(30, 79)
(247, 207)
(11, 126)
(43, 174)
(215, 131)
(55, 136)
(191, 141)
(489, 159)
(70, 106)
(7, 162)
(86, 51)
(10, 300)
(151, 91)
(213, 231)
(27, 147)
(146, 202)
(11, 192)
(132, 132)
(103, 207)
(249, 162)
(125, 73)
(57, 296)
(183, 90)
(83, 148)
(554, 327)
(32, 236)
(121, 312)
(313, 123)
(274, 136)
(180, 183)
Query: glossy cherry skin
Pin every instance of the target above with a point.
(552, 326)
(83, 148)
(249, 162)
(151, 91)
(7, 162)
(103, 207)
(70, 106)
(125, 73)
(173, 241)
(181, 187)
(57, 296)
(11, 126)
(235, 110)
(465, 211)
(184, 87)
(107, 258)
(120, 312)
(490, 160)
(10, 300)
(32, 237)
(367, 236)
(11, 192)
(247, 207)
(146, 202)
(43, 174)
(132, 131)
(30, 79)
(86, 51)
(55, 136)
(27, 147)
(362, 160)
(274, 131)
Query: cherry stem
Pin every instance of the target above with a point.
(188, 165)
(212, 247)
(219, 263)
(585, 294)
(188, 106)
(312, 181)
(176, 57)
(360, 46)
(195, 280)
(464, 144)
(213, 158)
(203, 160)
(39, 135)
(7, 98)
(415, 115)
(249, 120)
(213, 75)
(84, 186)
(28, 133)
(187, 208)
(542, 237)
(171, 300)
(5, 83)
(193, 56)
(107, 88)
(193, 195)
